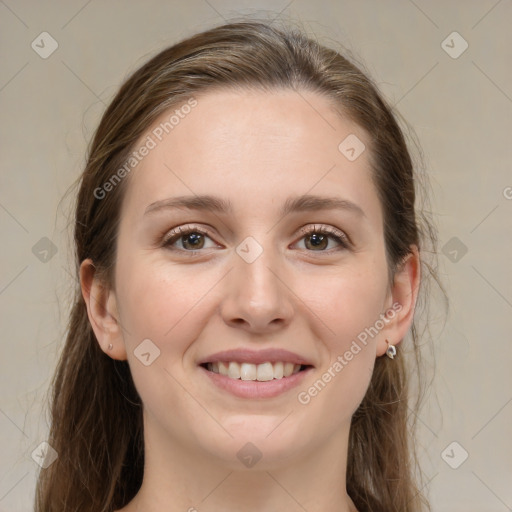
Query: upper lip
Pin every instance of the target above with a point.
(271, 355)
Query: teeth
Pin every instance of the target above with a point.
(288, 369)
(223, 368)
(278, 370)
(248, 371)
(234, 370)
(265, 372)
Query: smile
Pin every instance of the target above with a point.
(243, 379)
(261, 372)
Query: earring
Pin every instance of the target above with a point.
(110, 347)
(391, 351)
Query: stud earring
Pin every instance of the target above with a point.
(110, 347)
(391, 351)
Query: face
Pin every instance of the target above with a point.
(242, 274)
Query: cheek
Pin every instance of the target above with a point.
(350, 305)
(157, 299)
(341, 383)
(339, 389)
(161, 303)
(347, 302)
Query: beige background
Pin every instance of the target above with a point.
(460, 108)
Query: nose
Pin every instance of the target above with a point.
(256, 298)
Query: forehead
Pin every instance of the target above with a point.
(266, 145)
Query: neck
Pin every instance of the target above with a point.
(186, 479)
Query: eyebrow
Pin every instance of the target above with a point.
(301, 203)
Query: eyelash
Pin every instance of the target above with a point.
(334, 233)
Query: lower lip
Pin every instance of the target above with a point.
(254, 388)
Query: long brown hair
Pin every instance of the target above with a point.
(95, 411)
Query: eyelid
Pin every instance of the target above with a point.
(184, 230)
(330, 230)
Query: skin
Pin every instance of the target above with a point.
(255, 149)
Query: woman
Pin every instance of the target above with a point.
(250, 260)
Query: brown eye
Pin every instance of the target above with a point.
(317, 239)
(195, 240)
(191, 238)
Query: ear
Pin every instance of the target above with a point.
(102, 311)
(403, 296)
